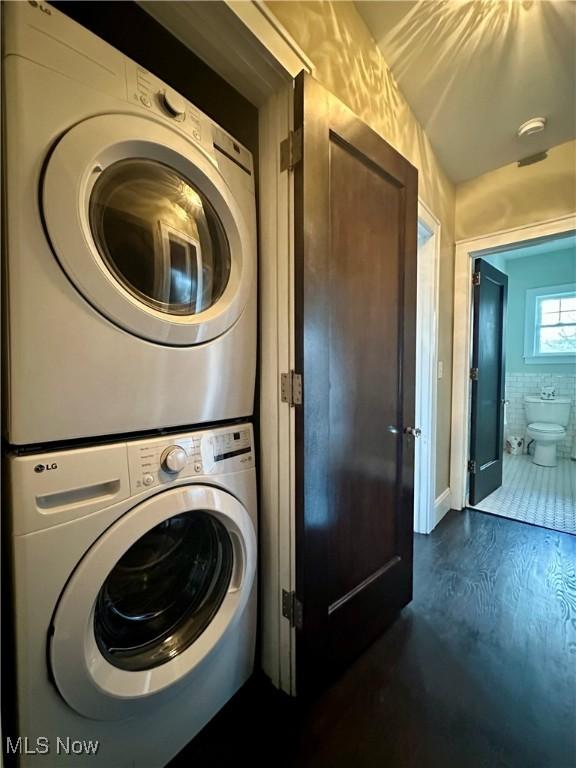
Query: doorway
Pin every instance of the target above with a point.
(538, 342)
(426, 369)
(537, 482)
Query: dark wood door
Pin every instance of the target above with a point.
(355, 301)
(488, 372)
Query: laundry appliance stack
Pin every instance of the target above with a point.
(130, 317)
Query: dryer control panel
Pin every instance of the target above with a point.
(162, 460)
(148, 91)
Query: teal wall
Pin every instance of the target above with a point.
(538, 271)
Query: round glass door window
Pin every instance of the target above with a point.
(159, 236)
(164, 591)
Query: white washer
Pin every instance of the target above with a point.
(134, 571)
(131, 244)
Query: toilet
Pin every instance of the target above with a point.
(547, 422)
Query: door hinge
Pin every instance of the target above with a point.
(472, 466)
(292, 609)
(291, 388)
(476, 277)
(291, 150)
(474, 374)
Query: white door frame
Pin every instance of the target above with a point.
(465, 249)
(426, 371)
(248, 47)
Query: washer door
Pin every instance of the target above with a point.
(146, 228)
(151, 599)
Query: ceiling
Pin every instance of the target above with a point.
(474, 71)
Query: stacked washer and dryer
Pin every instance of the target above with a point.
(130, 317)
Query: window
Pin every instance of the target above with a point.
(550, 332)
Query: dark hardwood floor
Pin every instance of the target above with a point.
(478, 672)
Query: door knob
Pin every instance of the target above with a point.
(413, 431)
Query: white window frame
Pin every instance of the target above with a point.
(531, 354)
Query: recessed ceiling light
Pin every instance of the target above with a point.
(534, 125)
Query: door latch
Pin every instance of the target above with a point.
(413, 431)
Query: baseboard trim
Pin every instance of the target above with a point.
(441, 506)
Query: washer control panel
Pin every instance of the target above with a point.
(161, 460)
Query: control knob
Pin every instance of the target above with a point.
(173, 459)
(174, 103)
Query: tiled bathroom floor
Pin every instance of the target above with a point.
(543, 496)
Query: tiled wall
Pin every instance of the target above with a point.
(520, 384)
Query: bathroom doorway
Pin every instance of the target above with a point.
(521, 422)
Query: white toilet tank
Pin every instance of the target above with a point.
(555, 411)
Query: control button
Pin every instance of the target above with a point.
(145, 100)
(173, 459)
(174, 103)
(198, 466)
(148, 479)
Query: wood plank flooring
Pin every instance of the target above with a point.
(478, 672)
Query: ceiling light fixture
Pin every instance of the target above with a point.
(534, 125)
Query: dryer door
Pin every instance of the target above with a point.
(146, 228)
(151, 599)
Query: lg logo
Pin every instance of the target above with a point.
(42, 7)
(45, 467)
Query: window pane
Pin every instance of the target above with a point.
(568, 302)
(549, 305)
(557, 341)
(550, 318)
(568, 316)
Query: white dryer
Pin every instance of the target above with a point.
(130, 244)
(135, 594)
